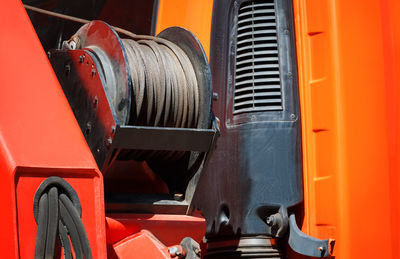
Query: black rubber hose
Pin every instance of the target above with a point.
(79, 226)
(52, 222)
(73, 232)
(62, 231)
(42, 227)
(57, 210)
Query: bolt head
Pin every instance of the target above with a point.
(197, 251)
(270, 220)
(215, 96)
(95, 101)
(67, 69)
(178, 196)
(109, 142)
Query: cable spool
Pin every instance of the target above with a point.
(164, 84)
(161, 81)
(165, 89)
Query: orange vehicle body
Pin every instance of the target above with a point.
(348, 55)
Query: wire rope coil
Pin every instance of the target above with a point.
(164, 84)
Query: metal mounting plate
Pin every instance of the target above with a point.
(101, 39)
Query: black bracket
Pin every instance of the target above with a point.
(304, 244)
(160, 138)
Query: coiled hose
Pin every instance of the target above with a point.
(57, 210)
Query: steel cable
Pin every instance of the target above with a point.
(165, 89)
(164, 84)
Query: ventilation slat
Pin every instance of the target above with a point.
(257, 40)
(256, 5)
(257, 33)
(259, 109)
(257, 19)
(258, 81)
(257, 60)
(263, 101)
(255, 12)
(257, 67)
(257, 71)
(258, 95)
(257, 25)
(259, 50)
(259, 88)
(257, 74)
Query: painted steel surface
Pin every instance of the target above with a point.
(39, 137)
(348, 57)
(194, 16)
(170, 229)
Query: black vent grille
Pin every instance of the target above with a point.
(257, 77)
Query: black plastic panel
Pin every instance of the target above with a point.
(256, 167)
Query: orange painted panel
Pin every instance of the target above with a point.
(192, 15)
(348, 58)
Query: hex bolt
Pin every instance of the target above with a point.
(197, 251)
(215, 96)
(95, 102)
(178, 196)
(109, 142)
(174, 251)
(88, 128)
(67, 69)
(271, 220)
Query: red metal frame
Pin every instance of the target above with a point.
(39, 137)
(169, 229)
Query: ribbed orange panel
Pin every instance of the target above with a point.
(348, 58)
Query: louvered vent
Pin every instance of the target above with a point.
(257, 78)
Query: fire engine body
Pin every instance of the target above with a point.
(307, 169)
